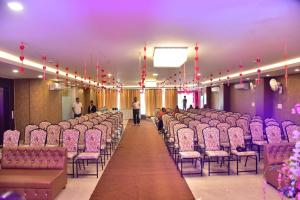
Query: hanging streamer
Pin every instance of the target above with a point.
(67, 74)
(57, 71)
(241, 73)
(196, 68)
(22, 57)
(258, 70)
(286, 66)
(44, 58)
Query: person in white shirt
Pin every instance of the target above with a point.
(77, 108)
(136, 111)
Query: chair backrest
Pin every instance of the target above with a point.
(38, 137)
(205, 120)
(28, 129)
(198, 117)
(211, 136)
(93, 140)
(44, 125)
(290, 131)
(109, 129)
(273, 133)
(186, 139)
(193, 124)
(284, 124)
(257, 132)
(223, 128)
(81, 119)
(11, 138)
(53, 134)
(199, 131)
(231, 120)
(222, 118)
(187, 120)
(214, 115)
(171, 127)
(81, 128)
(94, 120)
(88, 124)
(73, 122)
(257, 117)
(236, 137)
(103, 129)
(86, 117)
(272, 123)
(243, 124)
(269, 120)
(214, 122)
(64, 125)
(71, 139)
(176, 128)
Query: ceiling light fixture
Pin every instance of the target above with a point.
(15, 71)
(267, 75)
(155, 74)
(15, 6)
(297, 70)
(40, 76)
(275, 66)
(169, 56)
(109, 75)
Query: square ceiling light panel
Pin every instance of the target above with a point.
(170, 56)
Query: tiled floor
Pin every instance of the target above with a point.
(247, 186)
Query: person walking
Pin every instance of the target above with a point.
(184, 101)
(136, 111)
(77, 108)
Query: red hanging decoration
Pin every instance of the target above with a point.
(67, 74)
(57, 71)
(196, 67)
(228, 77)
(258, 70)
(241, 73)
(44, 58)
(22, 57)
(286, 67)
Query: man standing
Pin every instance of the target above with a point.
(92, 108)
(77, 108)
(184, 101)
(136, 111)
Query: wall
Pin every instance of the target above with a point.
(215, 100)
(241, 100)
(35, 103)
(288, 99)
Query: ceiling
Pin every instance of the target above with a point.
(75, 33)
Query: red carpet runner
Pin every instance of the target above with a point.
(141, 169)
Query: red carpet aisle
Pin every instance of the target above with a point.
(141, 169)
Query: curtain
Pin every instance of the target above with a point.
(126, 98)
(100, 99)
(153, 100)
(111, 99)
(171, 98)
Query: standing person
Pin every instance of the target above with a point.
(136, 111)
(159, 116)
(184, 101)
(92, 108)
(77, 108)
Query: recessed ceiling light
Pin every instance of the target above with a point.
(248, 78)
(267, 75)
(169, 56)
(40, 76)
(155, 74)
(15, 6)
(109, 75)
(15, 71)
(198, 74)
(297, 70)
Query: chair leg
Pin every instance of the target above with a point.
(237, 165)
(208, 166)
(246, 161)
(97, 161)
(73, 170)
(228, 165)
(258, 153)
(181, 167)
(256, 164)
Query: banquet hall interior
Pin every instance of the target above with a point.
(150, 100)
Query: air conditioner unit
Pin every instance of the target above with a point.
(242, 86)
(55, 86)
(215, 89)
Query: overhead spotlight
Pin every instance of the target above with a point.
(198, 74)
(267, 75)
(248, 78)
(155, 74)
(15, 6)
(109, 75)
(297, 70)
(40, 76)
(15, 71)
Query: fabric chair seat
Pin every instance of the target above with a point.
(103, 146)
(225, 144)
(71, 155)
(88, 155)
(260, 143)
(243, 153)
(189, 154)
(216, 153)
(52, 145)
(171, 140)
(108, 140)
(247, 137)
